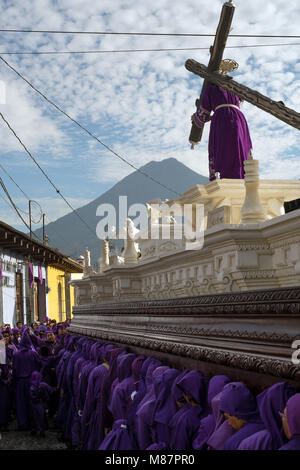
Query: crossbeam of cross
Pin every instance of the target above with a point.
(276, 108)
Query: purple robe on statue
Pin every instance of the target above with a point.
(208, 424)
(25, 361)
(118, 438)
(270, 402)
(238, 401)
(185, 423)
(229, 138)
(293, 419)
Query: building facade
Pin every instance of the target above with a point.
(34, 279)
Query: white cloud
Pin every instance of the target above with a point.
(140, 103)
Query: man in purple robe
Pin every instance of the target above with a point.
(229, 139)
(40, 393)
(16, 337)
(147, 368)
(5, 393)
(271, 403)
(240, 409)
(65, 396)
(25, 361)
(102, 418)
(119, 438)
(119, 400)
(223, 430)
(185, 423)
(291, 423)
(95, 381)
(208, 424)
(75, 415)
(144, 414)
(165, 407)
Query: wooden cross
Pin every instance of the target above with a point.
(211, 76)
(276, 108)
(216, 54)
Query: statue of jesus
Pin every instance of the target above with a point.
(229, 138)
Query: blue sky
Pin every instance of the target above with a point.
(138, 103)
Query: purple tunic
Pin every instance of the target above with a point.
(119, 438)
(145, 409)
(270, 402)
(5, 395)
(102, 418)
(92, 397)
(25, 361)
(238, 401)
(40, 393)
(293, 419)
(208, 424)
(165, 407)
(121, 395)
(148, 365)
(229, 139)
(185, 423)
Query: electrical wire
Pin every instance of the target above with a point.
(16, 209)
(143, 50)
(45, 174)
(28, 198)
(83, 128)
(113, 33)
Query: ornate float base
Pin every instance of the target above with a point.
(247, 336)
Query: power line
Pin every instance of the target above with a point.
(11, 178)
(45, 174)
(113, 33)
(27, 197)
(16, 209)
(86, 130)
(143, 50)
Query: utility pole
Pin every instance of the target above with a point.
(30, 218)
(44, 234)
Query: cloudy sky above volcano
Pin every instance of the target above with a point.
(138, 103)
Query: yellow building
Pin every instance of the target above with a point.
(61, 296)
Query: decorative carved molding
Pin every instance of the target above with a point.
(167, 246)
(254, 247)
(277, 368)
(259, 274)
(220, 215)
(286, 242)
(257, 336)
(149, 251)
(281, 301)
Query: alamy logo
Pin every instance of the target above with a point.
(155, 221)
(2, 93)
(296, 354)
